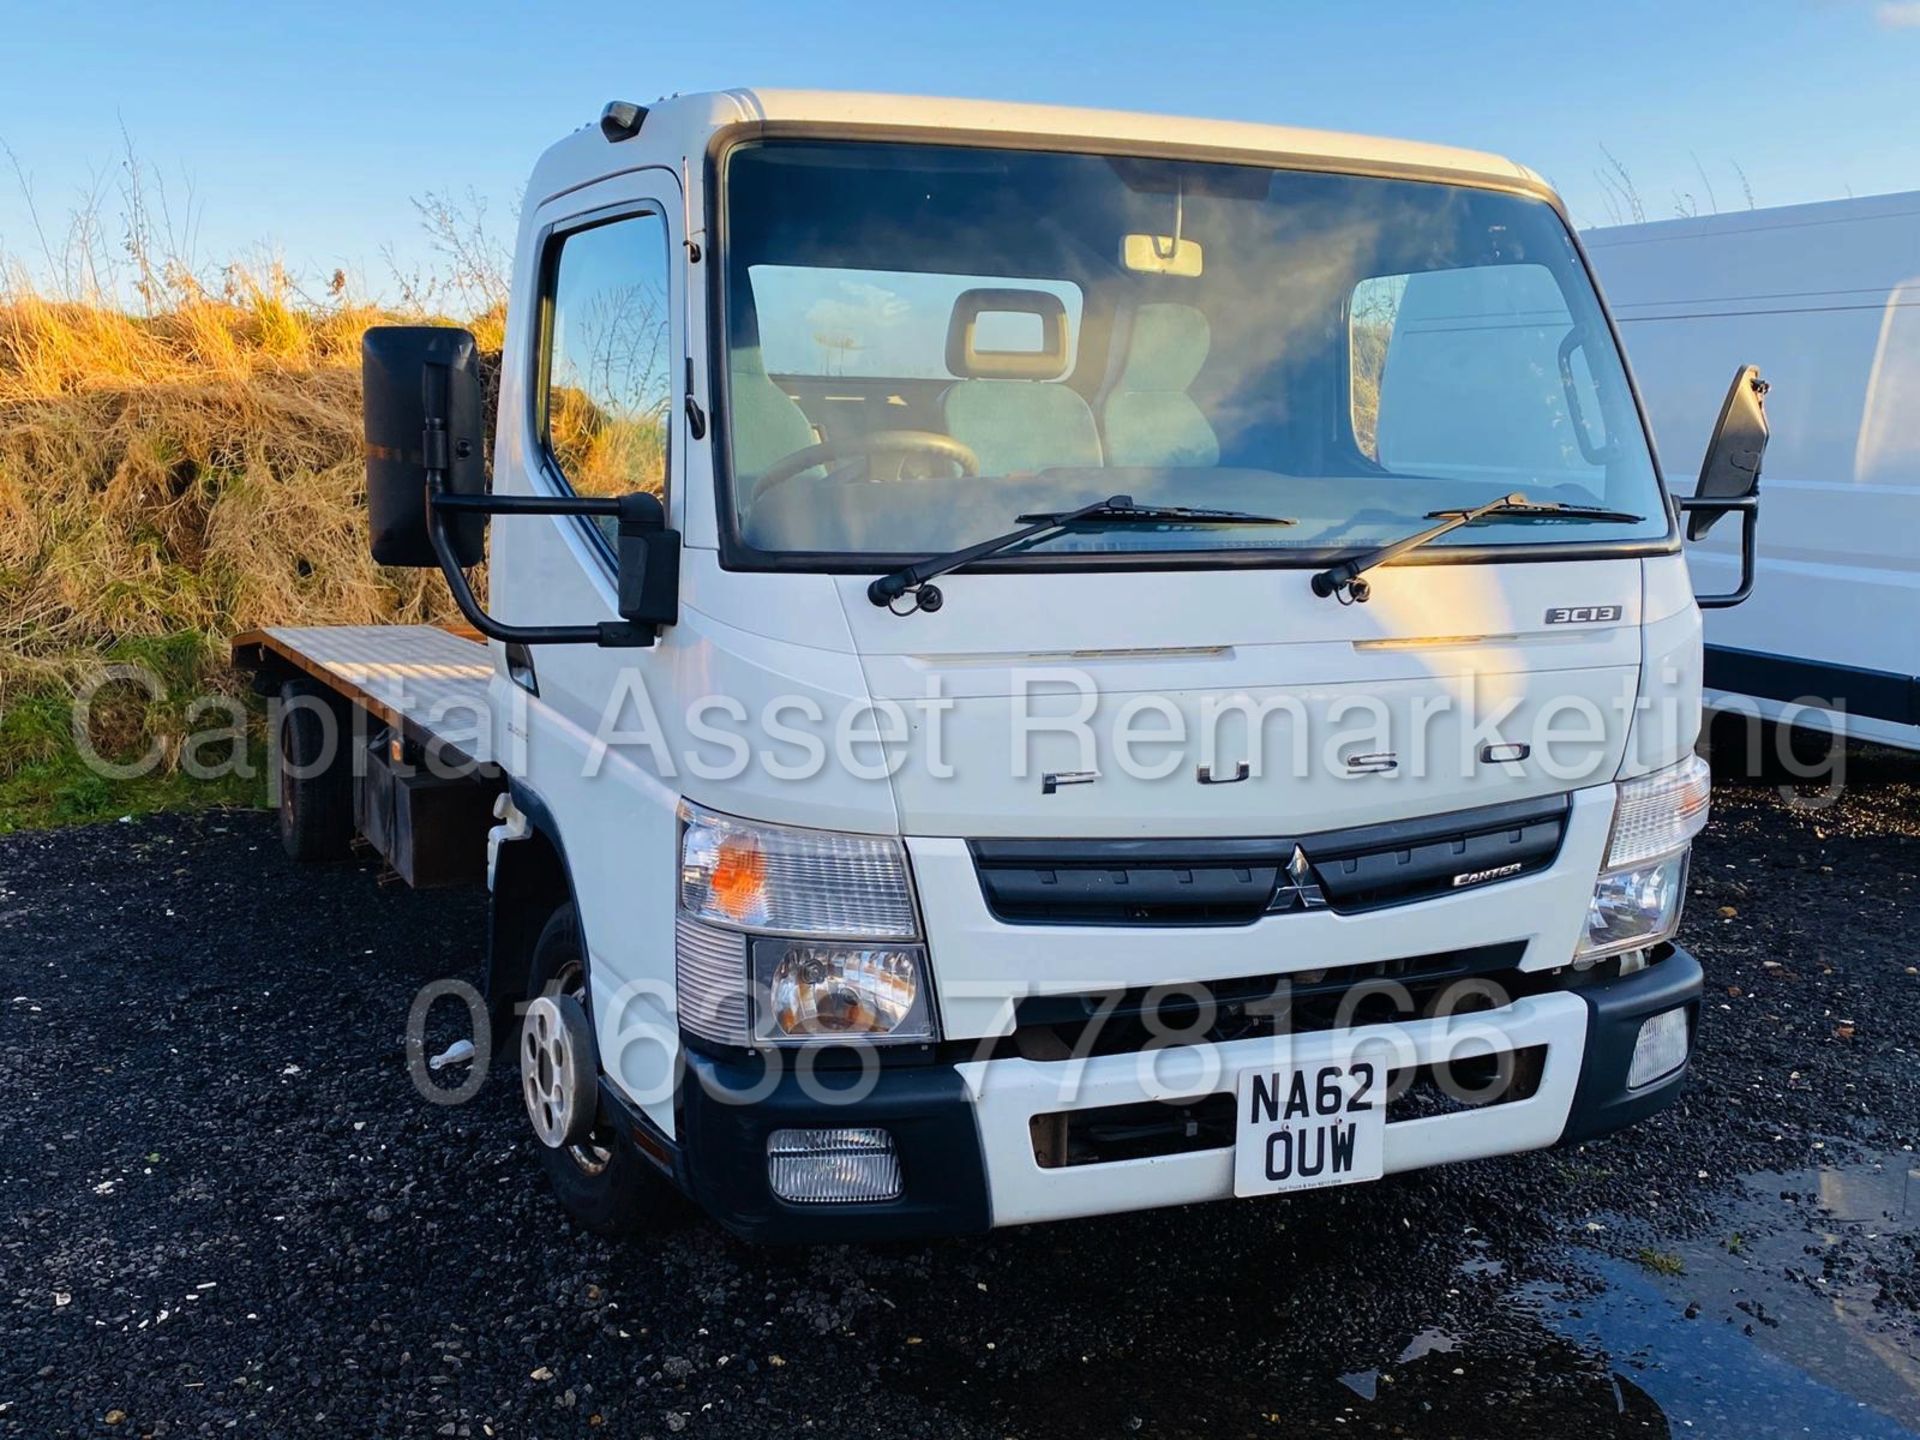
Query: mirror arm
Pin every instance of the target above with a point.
(440, 504)
(526, 504)
(1749, 508)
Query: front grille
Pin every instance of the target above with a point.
(1112, 1022)
(1236, 881)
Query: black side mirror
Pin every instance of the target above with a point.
(427, 498)
(1731, 470)
(649, 556)
(1730, 477)
(421, 407)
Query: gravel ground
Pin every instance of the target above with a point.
(223, 1206)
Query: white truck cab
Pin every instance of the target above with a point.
(1046, 662)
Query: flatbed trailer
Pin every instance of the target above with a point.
(383, 732)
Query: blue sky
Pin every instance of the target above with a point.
(307, 129)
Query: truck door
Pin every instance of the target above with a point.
(589, 406)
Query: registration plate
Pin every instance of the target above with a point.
(1308, 1126)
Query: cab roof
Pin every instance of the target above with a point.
(680, 126)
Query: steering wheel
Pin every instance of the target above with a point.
(864, 447)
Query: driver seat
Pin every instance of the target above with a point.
(767, 423)
(1009, 406)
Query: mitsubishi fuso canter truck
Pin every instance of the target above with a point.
(1032, 662)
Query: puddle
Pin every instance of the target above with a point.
(1798, 1319)
(1801, 1318)
(1429, 1342)
(1708, 1375)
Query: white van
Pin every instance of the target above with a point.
(1039, 662)
(1826, 299)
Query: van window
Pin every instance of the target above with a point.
(607, 365)
(1370, 317)
(1475, 371)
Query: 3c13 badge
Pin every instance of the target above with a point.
(1582, 614)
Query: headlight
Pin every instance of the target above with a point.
(1659, 813)
(1643, 883)
(806, 991)
(1635, 908)
(778, 878)
(813, 919)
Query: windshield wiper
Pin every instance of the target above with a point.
(1122, 510)
(1117, 509)
(1548, 510)
(1346, 575)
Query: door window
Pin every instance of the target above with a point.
(606, 393)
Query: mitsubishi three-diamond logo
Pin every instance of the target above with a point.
(1299, 887)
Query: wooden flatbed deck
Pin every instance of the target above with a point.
(429, 683)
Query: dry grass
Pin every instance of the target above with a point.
(603, 453)
(166, 480)
(197, 469)
(180, 460)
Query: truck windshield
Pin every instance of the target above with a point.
(925, 342)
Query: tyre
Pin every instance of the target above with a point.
(602, 1181)
(316, 773)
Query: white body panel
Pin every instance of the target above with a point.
(1825, 299)
(1443, 660)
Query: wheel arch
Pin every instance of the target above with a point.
(531, 879)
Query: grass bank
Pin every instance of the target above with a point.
(169, 477)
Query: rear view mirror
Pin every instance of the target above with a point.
(1730, 478)
(427, 498)
(1161, 255)
(1731, 470)
(421, 404)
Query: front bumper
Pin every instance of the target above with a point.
(1615, 1011)
(925, 1108)
(964, 1136)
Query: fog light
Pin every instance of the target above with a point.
(1661, 1048)
(811, 1167)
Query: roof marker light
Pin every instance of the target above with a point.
(621, 120)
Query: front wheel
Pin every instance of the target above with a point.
(596, 1172)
